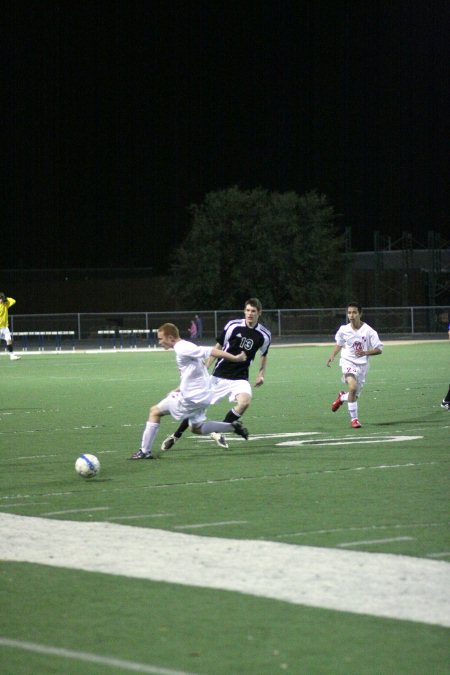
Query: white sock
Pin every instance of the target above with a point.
(344, 397)
(150, 431)
(353, 410)
(222, 427)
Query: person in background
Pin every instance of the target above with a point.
(194, 392)
(358, 341)
(199, 324)
(192, 330)
(5, 333)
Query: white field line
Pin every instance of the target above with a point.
(88, 658)
(295, 441)
(377, 584)
(345, 441)
(365, 528)
(88, 509)
(196, 526)
(374, 541)
(142, 515)
(263, 437)
(14, 505)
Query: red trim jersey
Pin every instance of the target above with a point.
(352, 340)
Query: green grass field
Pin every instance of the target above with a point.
(304, 478)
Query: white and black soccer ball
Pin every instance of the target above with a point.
(87, 465)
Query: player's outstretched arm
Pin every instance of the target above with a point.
(211, 359)
(219, 354)
(335, 352)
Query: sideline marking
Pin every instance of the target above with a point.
(90, 658)
(376, 584)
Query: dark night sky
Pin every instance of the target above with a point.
(118, 115)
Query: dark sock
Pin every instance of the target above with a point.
(447, 398)
(9, 348)
(231, 416)
(181, 429)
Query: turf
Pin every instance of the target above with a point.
(304, 477)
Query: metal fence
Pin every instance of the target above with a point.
(138, 329)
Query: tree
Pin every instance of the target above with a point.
(281, 247)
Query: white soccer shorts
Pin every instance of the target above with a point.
(358, 372)
(180, 409)
(231, 388)
(5, 334)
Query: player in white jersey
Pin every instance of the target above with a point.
(230, 378)
(193, 395)
(355, 341)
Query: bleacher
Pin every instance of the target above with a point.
(126, 338)
(22, 339)
(106, 339)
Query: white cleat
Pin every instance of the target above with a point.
(219, 439)
(14, 357)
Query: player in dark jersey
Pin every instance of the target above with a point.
(238, 335)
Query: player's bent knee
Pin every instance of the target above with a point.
(242, 403)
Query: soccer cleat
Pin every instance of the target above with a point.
(355, 424)
(219, 439)
(445, 404)
(169, 442)
(239, 429)
(141, 455)
(338, 402)
(14, 357)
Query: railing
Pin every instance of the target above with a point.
(138, 329)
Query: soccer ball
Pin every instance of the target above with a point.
(87, 465)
